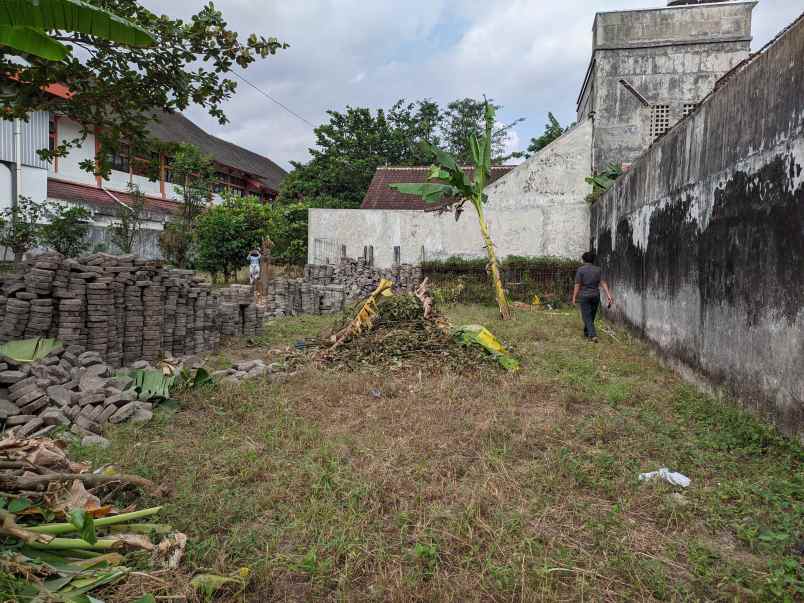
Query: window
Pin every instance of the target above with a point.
(221, 182)
(659, 120)
(237, 186)
(149, 168)
(688, 108)
(169, 175)
(53, 134)
(120, 160)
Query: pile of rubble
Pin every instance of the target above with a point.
(71, 389)
(124, 308)
(328, 289)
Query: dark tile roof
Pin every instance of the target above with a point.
(101, 200)
(174, 127)
(381, 196)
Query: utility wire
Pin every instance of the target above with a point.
(271, 98)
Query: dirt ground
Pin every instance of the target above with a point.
(432, 484)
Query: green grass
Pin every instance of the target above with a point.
(473, 486)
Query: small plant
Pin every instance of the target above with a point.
(603, 181)
(19, 227)
(67, 229)
(127, 229)
(426, 556)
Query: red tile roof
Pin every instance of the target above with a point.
(380, 196)
(92, 195)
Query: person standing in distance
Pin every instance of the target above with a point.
(588, 281)
(254, 266)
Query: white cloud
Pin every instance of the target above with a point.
(528, 55)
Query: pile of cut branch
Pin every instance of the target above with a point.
(61, 535)
(397, 331)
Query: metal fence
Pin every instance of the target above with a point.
(328, 251)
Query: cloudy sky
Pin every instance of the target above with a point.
(528, 55)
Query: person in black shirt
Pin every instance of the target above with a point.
(588, 281)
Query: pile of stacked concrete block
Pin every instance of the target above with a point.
(68, 388)
(327, 289)
(124, 308)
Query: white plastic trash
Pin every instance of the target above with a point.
(672, 477)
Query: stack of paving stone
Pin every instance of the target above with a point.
(123, 308)
(152, 324)
(328, 289)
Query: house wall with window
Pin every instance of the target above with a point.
(650, 68)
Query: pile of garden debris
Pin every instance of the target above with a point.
(390, 330)
(61, 535)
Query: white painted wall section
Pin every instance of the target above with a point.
(537, 209)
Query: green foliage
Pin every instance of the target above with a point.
(353, 144)
(552, 130)
(226, 233)
(24, 25)
(603, 181)
(466, 118)
(458, 264)
(84, 524)
(19, 227)
(67, 229)
(120, 88)
(125, 232)
(193, 175)
(288, 227)
(29, 350)
(151, 384)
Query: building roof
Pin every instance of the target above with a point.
(101, 199)
(381, 196)
(174, 127)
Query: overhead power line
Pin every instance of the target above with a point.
(272, 99)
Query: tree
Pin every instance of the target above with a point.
(447, 179)
(552, 130)
(24, 25)
(193, 173)
(226, 233)
(19, 227)
(116, 90)
(353, 144)
(67, 229)
(465, 118)
(127, 229)
(288, 227)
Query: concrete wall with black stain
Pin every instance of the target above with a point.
(703, 239)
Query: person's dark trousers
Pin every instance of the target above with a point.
(589, 308)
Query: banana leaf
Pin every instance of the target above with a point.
(29, 350)
(152, 383)
(32, 41)
(76, 16)
(481, 336)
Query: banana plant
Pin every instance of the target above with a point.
(447, 179)
(24, 26)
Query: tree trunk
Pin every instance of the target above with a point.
(502, 301)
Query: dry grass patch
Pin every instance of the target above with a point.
(435, 484)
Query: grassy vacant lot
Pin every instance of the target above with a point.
(479, 486)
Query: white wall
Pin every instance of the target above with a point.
(539, 208)
(69, 166)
